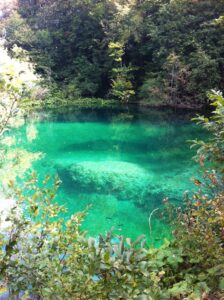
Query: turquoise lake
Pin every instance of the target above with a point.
(122, 162)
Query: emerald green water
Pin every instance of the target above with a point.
(122, 162)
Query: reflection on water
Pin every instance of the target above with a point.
(122, 162)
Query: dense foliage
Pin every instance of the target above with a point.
(166, 51)
(43, 256)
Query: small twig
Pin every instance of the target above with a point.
(150, 216)
(8, 117)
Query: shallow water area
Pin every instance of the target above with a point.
(122, 162)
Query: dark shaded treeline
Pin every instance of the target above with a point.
(151, 50)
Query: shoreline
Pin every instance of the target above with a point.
(95, 103)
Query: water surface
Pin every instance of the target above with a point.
(122, 162)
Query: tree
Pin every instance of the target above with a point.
(190, 30)
(69, 40)
(17, 79)
(121, 86)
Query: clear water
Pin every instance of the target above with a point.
(122, 162)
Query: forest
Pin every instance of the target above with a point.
(112, 149)
(128, 50)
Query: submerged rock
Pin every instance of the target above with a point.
(125, 180)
